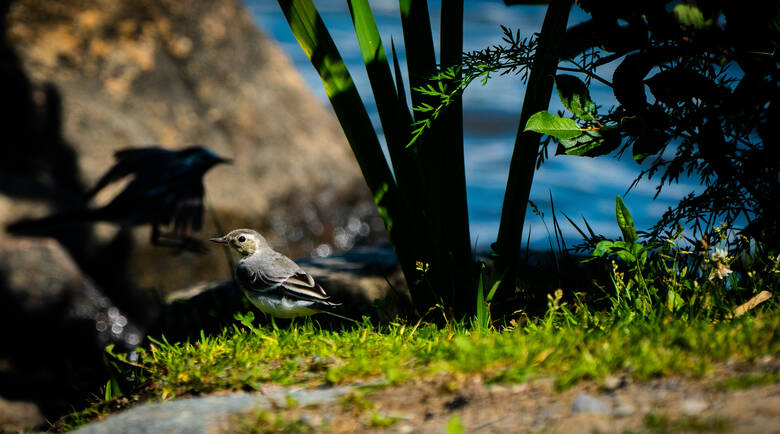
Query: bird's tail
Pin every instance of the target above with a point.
(339, 316)
(41, 225)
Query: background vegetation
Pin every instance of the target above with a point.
(713, 90)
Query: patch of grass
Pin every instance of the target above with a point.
(246, 357)
(745, 381)
(662, 424)
(568, 346)
(261, 421)
(381, 421)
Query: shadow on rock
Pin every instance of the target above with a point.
(56, 324)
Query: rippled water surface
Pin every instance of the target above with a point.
(580, 187)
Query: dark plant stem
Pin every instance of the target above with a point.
(521, 170)
(460, 279)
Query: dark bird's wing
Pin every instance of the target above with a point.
(130, 161)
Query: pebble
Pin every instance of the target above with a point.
(692, 407)
(614, 383)
(549, 412)
(624, 410)
(585, 403)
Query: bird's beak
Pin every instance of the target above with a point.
(220, 240)
(224, 160)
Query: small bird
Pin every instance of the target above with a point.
(273, 282)
(167, 187)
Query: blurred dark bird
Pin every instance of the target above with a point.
(167, 188)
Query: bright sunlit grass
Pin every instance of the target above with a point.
(247, 357)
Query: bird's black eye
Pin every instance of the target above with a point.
(241, 239)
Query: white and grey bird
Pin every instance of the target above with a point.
(273, 282)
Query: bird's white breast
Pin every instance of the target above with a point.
(279, 306)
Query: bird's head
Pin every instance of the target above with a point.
(244, 241)
(202, 157)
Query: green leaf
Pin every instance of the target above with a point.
(575, 96)
(674, 301)
(592, 143)
(603, 248)
(625, 221)
(690, 16)
(544, 122)
(626, 256)
(246, 320)
(582, 145)
(454, 425)
(494, 288)
(481, 305)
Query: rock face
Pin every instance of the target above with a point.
(104, 75)
(55, 324)
(18, 416)
(207, 414)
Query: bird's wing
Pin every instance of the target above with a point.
(280, 272)
(302, 285)
(252, 280)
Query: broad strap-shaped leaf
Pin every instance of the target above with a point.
(574, 96)
(393, 115)
(544, 122)
(399, 81)
(312, 35)
(420, 52)
(625, 221)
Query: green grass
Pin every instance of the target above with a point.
(246, 358)
(662, 424)
(565, 346)
(748, 380)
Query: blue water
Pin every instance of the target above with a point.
(580, 187)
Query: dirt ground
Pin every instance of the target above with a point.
(616, 404)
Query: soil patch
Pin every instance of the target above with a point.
(466, 404)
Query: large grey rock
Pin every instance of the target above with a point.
(107, 75)
(204, 415)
